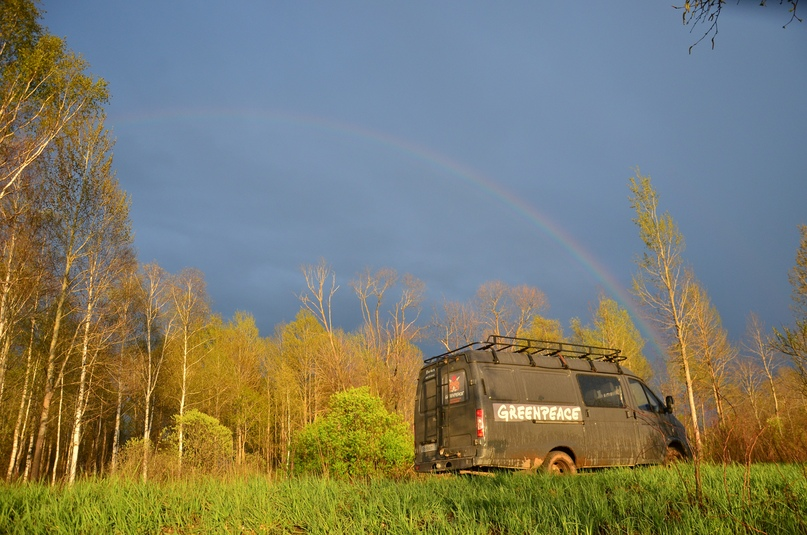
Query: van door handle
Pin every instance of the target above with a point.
(627, 413)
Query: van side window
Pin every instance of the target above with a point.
(600, 391)
(548, 387)
(501, 384)
(645, 399)
(457, 391)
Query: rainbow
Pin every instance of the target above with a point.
(432, 158)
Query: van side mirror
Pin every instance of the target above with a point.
(670, 404)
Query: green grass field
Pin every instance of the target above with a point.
(766, 499)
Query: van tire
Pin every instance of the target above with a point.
(559, 463)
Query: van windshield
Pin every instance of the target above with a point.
(645, 399)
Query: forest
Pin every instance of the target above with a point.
(106, 362)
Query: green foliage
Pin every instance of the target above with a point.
(19, 29)
(207, 445)
(130, 459)
(357, 438)
(546, 329)
(613, 327)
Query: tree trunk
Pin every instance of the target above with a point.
(58, 432)
(693, 408)
(116, 436)
(268, 442)
(50, 377)
(5, 320)
(29, 458)
(146, 440)
(81, 402)
(183, 394)
(24, 408)
(718, 396)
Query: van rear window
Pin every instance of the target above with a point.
(456, 387)
(429, 395)
(600, 391)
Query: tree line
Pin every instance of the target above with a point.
(106, 363)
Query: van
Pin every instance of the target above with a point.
(517, 403)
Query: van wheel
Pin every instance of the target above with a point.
(559, 463)
(673, 456)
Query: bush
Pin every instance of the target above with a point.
(356, 438)
(207, 445)
(162, 463)
(207, 449)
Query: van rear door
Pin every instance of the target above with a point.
(457, 412)
(446, 414)
(428, 416)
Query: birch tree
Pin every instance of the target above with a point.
(69, 209)
(455, 324)
(664, 285)
(761, 347)
(43, 87)
(108, 258)
(190, 307)
(239, 341)
(317, 299)
(26, 399)
(21, 268)
(710, 342)
(497, 308)
(389, 334)
(119, 368)
(320, 281)
(157, 326)
(748, 378)
(507, 310)
(297, 357)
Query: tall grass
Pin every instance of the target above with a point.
(767, 499)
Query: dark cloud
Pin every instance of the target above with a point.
(257, 138)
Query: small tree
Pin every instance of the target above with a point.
(356, 438)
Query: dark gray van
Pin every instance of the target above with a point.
(524, 404)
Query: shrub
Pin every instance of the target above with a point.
(207, 445)
(356, 438)
(162, 463)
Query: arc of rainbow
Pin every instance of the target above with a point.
(433, 158)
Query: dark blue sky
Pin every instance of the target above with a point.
(461, 142)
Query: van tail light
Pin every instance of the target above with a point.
(480, 424)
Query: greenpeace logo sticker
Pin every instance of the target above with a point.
(508, 412)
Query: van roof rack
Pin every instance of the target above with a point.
(532, 347)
